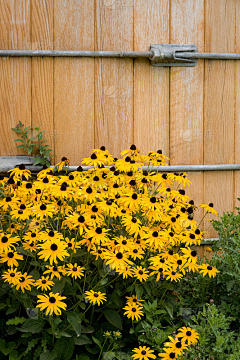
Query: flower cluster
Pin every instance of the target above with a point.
(116, 216)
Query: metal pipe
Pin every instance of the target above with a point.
(53, 53)
(175, 168)
(210, 56)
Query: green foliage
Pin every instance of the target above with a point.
(31, 142)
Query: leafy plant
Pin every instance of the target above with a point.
(33, 144)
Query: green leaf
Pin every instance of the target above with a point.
(2, 306)
(16, 321)
(35, 263)
(64, 347)
(48, 355)
(59, 286)
(5, 347)
(32, 326)
(139, 291)
(87, 329)
(25, 252)
(74, 319)
(11, 310)
(169, 309)
(92, 349)
(113, 318)
(82, 340)
(31, 344)
(97, 342)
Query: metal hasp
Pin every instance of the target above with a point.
(167, 55)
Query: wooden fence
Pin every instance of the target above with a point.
(192, 114)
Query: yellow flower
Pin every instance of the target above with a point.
(44, 283)
(141, 273)
(74, 270)
(25, 282)
(12, 276)
(52, 303)
(133, 311)
(52, 250)
(208, 269)
(188, 334)
(11, 258)
(209, 208)
(18, 173)
(95, 297)
(143, 353)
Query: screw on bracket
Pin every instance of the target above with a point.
(167, 55)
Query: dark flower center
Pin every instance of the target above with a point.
(70, 245)
(102, 148)
(140, 272)
(134, 220)
(109, 202)
(63, 187)
(96, 295)
(179, 344)
(192, 236)
(22, 207)
(173, 273)
(197, 231)
(54, 247)
(188, 333)
(211, 204)
(4, 239)
(52, 300)
(93, 217)
(209, 267)
(134, 196)
(194, 253)
(171, 234)
(98, 230)
(10, 255)
(164, 176)
(28, 186)
(22, 279)
(132, 182)
(134, 309)
(170, 252)
(94, 209)
(89, 190)
(81, 219)
(51, 233)
(71, 177)
(45, 180)
(155, 234)
(143, 352)
(44, 281)
(33, 235)
(93, 156)
(127, 159)
(22, 167)
(124, 242)
(99, 251)
(133, 147)
(96, 178)
(38, 191)
(173, 219)
(123, 211)
(43, 207)
(119, 256)
(179, 262)
(135, 251)
(12, 274)
(160, 270)
(20, 212)
(116, 173)
(172, 355)
(8, 199)
(162, 261)
(153, 199)
(74, 269)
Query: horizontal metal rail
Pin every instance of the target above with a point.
(53, 53)
(175, 168)
(210, 56)
(117, 54)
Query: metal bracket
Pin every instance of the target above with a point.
(167, 55)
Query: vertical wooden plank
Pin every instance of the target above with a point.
(219, 104)
(237, 108)
(42, 69)
(74, 80)
(151, 84)
(15, 73)
(186, 96)
(114, 77)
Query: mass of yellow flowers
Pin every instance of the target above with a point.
(136, 222)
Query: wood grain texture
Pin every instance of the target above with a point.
(15, 73)
(73, 80)
(151, 84)
(42, 69)
(219, 105)
(186, 96)
(114, 77)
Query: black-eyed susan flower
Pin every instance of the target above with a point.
(176, 345)
(141, 273)
(12, 276)
(168, 354)
(25, 282)
(74, 270)
(95, 297)
(11, 257)
(63, 163)
(57, 271)
(116, 259)
(188, 334)
(133, 300)
(44, 283)
(209, 208)
(52, 250)
(7, 242)
(19, 172)
(190, 254)
(143, 353)
(52, 303)
(133, 312)
(209, 270)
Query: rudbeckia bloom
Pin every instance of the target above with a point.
(143, 353)
(44, 283)
(188, 334)
(207, 269)
(209, 208)
(52, 250)
(12, 276)
(11, 258)
(95, 297)
(169, 354)
(74, 270)
(52, 303)
(18, 173)
(25, 282)
(141, 273)
(55, 271)
(133, 311)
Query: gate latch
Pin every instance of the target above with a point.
(167, 55)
